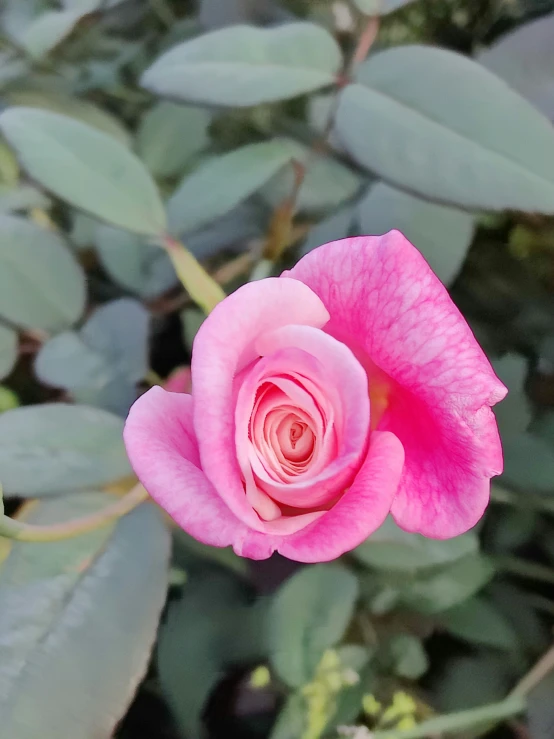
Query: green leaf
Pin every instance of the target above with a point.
(170, 135)
(12, 68)
(513, 528)
(66, 361)
(119, 332)
(82, 613)
(187, 551)
(48, 30)
(329, 229)
(391, 548)
(309, 614)
(380, 7)
(133, 263)
(209, 628)
(223, 182)
(519, 446)
(409, 658)
(41, 284)
(449, 586)
(54, 448)
(470, 681)
(291, 721)
(349, 700)
(524, 58)
(235, 230)
(478, 621)
(270, 64)
(441, 234)
(434, 122)
(73, 107)
(214, 14)
(104, 361)
(85, 167)
(22, 197)
(326, 184)
(513, 414)
(528, 463)
(517, 607)
(320, 111)
(8, 350)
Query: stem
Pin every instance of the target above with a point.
(202, 288)
(282, 221)
(536, 674)
(164, 12)
(523, 568)
(534, 502)
(365, 42)
(12, 529)
(455, 722)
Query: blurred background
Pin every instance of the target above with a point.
(430, 116)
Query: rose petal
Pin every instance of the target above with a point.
(223, 346)
(386, 303)
(163, 452)
(332, 367)
(360, 511)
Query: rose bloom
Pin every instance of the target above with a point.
(348, 388)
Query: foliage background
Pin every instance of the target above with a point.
(135, 630)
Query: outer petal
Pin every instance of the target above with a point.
(223, 346)
(360, 511)
(163, 452)
(386, 304)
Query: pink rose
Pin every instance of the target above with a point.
(348, 388)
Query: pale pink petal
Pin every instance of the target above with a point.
(360, 511)
(163, 452)
(332, 367)
(223, 346)
(386, 304)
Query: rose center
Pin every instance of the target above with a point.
(296, 431)
(295, 441)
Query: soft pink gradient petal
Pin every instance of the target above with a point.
(224, 345)
(360, 511)
(164, 455)
(334, 371)
(163, 452)
(386, 304)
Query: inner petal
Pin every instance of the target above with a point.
(302, 422)
(296, 439)
(274, 455)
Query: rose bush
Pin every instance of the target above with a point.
(347, 388)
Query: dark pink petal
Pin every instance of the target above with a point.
(386, 303)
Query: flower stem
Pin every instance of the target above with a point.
(536, 674)
(523, 568)
(282, 222)
(503, 496)
(202, 288)
(19, 530)
(452, 723)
